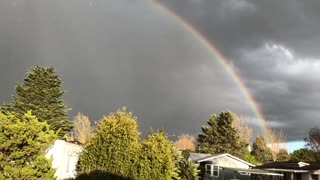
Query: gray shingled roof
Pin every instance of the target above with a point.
(196, 156)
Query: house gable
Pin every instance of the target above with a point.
(226, 160)
(225, 166)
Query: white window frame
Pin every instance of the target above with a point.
(312, 176)
(212, 170)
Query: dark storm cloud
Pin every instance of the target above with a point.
(121, 52)
(274, 47)
(114, 53)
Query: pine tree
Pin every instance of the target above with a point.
(22, 147)
(113, 148)
(219, 136)
(41, 92)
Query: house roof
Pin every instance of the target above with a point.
(207, 157)
(288, 165)
(196, 156)
(254, 171)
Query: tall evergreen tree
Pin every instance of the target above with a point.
(219, 136)
(22, 147)
(113, 148)
(41, 92)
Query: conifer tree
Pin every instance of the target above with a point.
(41, 92)
(22, 147)
(219, 136)
(156, 159)
(113, 148)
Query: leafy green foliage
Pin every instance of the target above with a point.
(304, 154)
(260, 150)
(185, 153)
(188, 170)
(114, 147)
(219, 136)
(100, 175)
(250, 158)
(41, 93)
(115, 151)
(23, 142)
(156, 158)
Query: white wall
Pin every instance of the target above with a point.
(65, 158)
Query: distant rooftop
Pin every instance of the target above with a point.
(291, 165)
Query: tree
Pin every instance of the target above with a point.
(313, 141)
(156, 157)
(260, 151)
(250, 158)
(283, 155)
(245, 132)
(219, 136)
(113, 148)
(82, 128)
(304, 154)
(276, 143)
(185, 141)
(188, 170)
(41, 92)
(22, 144)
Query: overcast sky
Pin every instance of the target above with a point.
(111, 53)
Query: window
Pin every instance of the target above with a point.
(208, 169)
(215, 171)
(212, 170)
(314, 177)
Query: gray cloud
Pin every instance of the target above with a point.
(274, 47)
(114, 53)
(120, 52)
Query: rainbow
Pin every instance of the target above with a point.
(223, 61)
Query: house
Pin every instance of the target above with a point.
(225, 166)
(65, 158)
(294, 170)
